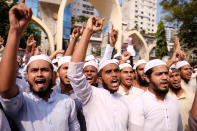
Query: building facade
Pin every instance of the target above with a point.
(170, 32)
(140, 14)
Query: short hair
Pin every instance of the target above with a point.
(149, 72)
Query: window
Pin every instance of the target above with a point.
(135, 5)
(142, 12)
(136, 16)
(135, 21)
(142, 23)
(136, 11)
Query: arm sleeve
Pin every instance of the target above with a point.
(73, 122)
(108, 53)
(136, 116)
(13, 105)
(81, 87)
(131, 50)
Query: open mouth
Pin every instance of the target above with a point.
(164, 84)
(89, 78)
(115, 83)
(40, 83)
(129, 80)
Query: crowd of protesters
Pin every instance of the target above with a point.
(73, 92)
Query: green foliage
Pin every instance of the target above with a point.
(81, 18)
(161, 45)
(4, 25)
(183, 15)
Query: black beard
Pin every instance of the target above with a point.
(106, 87)
(158, 91)
(41, 93)
(175, 89)
(142, 82)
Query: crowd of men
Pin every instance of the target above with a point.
(73, 92)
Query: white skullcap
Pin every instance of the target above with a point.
(89, 58)
(153, 63)
(58, 56)
(34, 58)
(121, 66)
(128, 61)
(91, 63)
(63, 60)
(181, 64)
(139, 62)
(117, 55)
(106, 62)
(39, 57)
(173, 67)
(55, 61)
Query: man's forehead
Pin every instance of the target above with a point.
(161, 68)
(127, 69)
(88, 67)
(186, 66)
(110, 66)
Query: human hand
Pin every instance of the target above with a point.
(113, 36)
(19, 17)
(125, 55)
(94, 24)
(59, 52)
(77, 32)
(30, 41)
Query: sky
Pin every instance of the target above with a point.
(159, 10)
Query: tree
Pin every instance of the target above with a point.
(161, 44)
(81, 18)
(4, 25)
(183, 15)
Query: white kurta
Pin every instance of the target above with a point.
(151, 114)
(132, 93)
(32, 113)
(103, 111)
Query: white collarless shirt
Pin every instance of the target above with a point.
(103, 111)
(151, 114)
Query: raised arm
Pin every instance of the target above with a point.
(19, 17)
(110, 47)
(53, 55)
(75, 74)
(93, 25)
(77, 32)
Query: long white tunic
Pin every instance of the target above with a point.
(103, 111)
(32, 113)
(151, 114)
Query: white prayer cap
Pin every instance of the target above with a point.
(128, 61)
(117, 55)
(153, 63)
(181, 64)
(89, 58)
(173, 67)
(139, 62)
(34, 58)
(63, 60)
(121, 66)
(106, 62)
(58, 56)
(54, 61)
(91, 63)
(39, 57)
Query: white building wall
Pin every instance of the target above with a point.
(141, 12)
